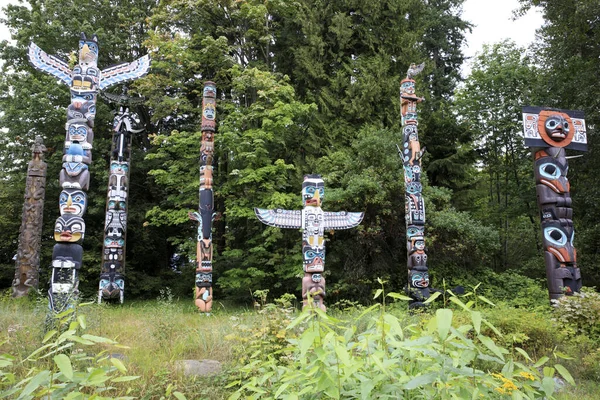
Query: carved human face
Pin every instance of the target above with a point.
(313, 191)
(314, 258)
(419, 279)
(72, 201)
(557, 127)
(77, 132)
(69, 228)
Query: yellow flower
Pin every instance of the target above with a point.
(527, 375)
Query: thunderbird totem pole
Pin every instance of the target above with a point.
(549, 132)
(411, 153)
(30, 234)
(204, 248)
(112, 281)
(84, 80)
(314, 222)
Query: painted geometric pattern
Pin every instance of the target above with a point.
(49, 64)
(279, 218)
(341, 219)
(124, 72)
(530, 128)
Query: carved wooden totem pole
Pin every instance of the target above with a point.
(549, 132)
(112, 282)
(84, 80)
(314, 222)
(30, 234)
(411, 153)
(204, 249)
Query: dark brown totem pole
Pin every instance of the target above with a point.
(549, 132)
(204, 250)
(411, 153)
(112, 281)
(314, 222)
(84, 80)
(30, 234)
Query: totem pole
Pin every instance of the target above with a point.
(204, 247)
(411, 153)
(112, 281)
(30, 234)
(314, 222)
(84, 80)
(549, 132)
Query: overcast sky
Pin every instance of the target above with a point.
(492, 20)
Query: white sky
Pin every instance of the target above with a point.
(492, 20)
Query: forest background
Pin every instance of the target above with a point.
(308, 86)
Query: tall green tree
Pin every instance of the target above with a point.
(503, 79)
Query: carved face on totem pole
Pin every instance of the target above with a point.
(72, 201)
(78, 131)
(69, 228)
(88, 50)
(419, 277)
(313, 191)
(558, 241)
(551, 171)
(203, 280)
(313, 240)
(555, 128)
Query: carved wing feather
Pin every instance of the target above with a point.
(49, 64)
(124, 72)
(279, 218)
(341, 219)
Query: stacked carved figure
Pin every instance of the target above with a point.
(112, 280)
(30, 234)
(204, 250)
(411, 153)
(549, 132)
(84, 80)
(314, 222)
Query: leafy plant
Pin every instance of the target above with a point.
(60, 369)
(330, 358)
(580, 312)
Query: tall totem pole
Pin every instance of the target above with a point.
(314, 222)
(411, 153)
(112, 281)
(549, 132)
(30, 234)
(84, 80)
(204, 248)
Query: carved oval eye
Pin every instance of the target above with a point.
(76, 227)
(549, 171)
(63, 197)
(309, 254)
(555, 236)
(551, 123)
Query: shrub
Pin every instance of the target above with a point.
(330, 358)
(580, 312)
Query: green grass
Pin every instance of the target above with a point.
(158, 333)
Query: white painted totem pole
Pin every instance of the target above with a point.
(112, 281)
(84, 80)
(203, 297)
(411, 153)
(30, 235)
(314, 222)
(549, 132)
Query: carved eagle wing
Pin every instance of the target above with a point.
(49, 64)
(279, 218)
(341, 219)
(124, 72)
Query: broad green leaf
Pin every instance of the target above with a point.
(97, 339)
(42, 378)
(64, 365)
(179, 396)
(49, 335)
(118, 364)
(548, 385)
(444, 321)
(125, 378)
(431, 298)
(456, 301)
(489, 343)
(377, 293)
(398, 296)
(541, 362)
(81, 319)
(421, 380)
(523, 353)
(565, 374)
(562, 355)
(476, 318)
(485, 300)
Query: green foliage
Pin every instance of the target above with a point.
(439, 359)
(60, 369)
(580, 312)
